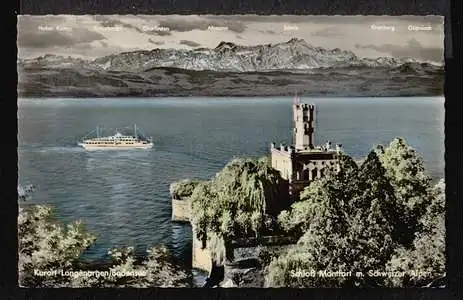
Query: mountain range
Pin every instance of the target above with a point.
(229, 70)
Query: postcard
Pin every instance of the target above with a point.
(231, 151)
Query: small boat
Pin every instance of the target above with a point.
(116, 141)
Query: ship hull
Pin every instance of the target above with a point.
(115, 147)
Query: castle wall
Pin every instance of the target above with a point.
(181, 210)
(281, 161)
(269, 240)
(311, 168)
(201, 258)
(300, 167)
(308, 170)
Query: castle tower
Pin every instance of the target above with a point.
(303, 118)
(303, 162)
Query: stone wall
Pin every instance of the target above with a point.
(181, 210)
(247, 269)
(241, 253)
(201, 258)
(270, 240)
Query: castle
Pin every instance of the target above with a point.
(299, 164)
(302, 162)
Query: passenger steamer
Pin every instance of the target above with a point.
(116, 141)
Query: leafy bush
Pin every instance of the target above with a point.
(266, 255)
(183, 188)
(47, 245)
(156, 270)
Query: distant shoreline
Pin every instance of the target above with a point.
(260, 97)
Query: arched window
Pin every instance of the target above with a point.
(322, 173)
(314, 173)
(305, 174)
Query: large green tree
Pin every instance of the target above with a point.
(346, 225)
(424, 261)
(356, 219)
(239, 201)
(412, 185)
(338, 188)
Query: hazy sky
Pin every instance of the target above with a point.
(91, 36)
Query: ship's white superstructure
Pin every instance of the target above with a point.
(116, 141)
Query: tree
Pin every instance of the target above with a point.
(156, 270)
(424, 261)
(47, 245)
(362, 219)
(412, 185)
(253, 184)
(338, 188)
(238, 201)
(346, 228)
(313, 254)
(202, 207)
(183, 188)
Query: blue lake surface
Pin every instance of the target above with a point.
(123, 196)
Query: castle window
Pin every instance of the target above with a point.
(322, 173)
(305, 174)
(314, 173)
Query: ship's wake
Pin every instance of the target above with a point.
(51, 149)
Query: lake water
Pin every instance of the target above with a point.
(123, 196)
